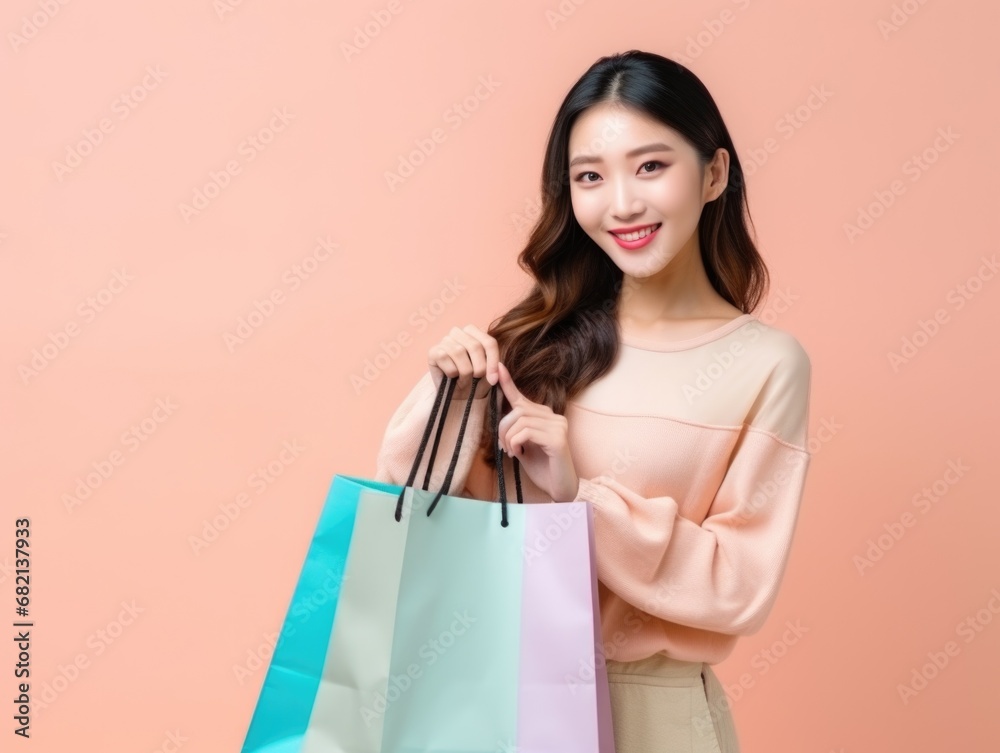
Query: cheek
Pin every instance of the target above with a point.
(586, 209)
(673, 196)
(682, 192)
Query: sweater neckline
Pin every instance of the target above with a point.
(687, 343)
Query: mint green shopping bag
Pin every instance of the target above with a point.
(442, 635)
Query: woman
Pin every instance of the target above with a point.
(637, 379)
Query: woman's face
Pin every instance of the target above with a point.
(628, 171)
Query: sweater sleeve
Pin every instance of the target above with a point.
(401, 439)
(721, 575)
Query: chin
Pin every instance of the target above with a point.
(644, 263)
(639, 271)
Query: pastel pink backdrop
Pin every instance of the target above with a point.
(127, 298)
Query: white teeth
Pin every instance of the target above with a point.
(637, 234)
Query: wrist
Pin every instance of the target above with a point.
(573, 494)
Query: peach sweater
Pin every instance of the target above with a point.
(694, 455)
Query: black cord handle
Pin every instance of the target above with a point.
(451, 383)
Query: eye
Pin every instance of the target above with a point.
(656, 163)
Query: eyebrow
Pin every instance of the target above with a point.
(634, 153)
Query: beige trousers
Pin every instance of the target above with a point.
(664, 705)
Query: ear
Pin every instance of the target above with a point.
(716, 175)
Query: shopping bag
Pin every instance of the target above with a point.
(425, 622)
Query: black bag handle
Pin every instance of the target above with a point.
(451, 383)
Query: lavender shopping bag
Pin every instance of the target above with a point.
(457, 625)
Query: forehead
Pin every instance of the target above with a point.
(610, 128)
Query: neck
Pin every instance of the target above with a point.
(681, 290)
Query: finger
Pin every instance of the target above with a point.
(539, 431)
(514, 395)
(436, 371)
(473, 347)
(522, 420)
(523, 436)
(525, 429)
(453, 360)
(490, 348)
(505, 425)
(449, 359)
(477, 353)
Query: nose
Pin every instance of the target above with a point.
(625, 204)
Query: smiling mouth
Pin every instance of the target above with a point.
(636, 234)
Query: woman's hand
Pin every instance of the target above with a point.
(466, 353)
(537, 437)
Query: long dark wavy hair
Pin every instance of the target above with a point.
(564, 333)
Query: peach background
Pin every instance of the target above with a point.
(879, 435)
